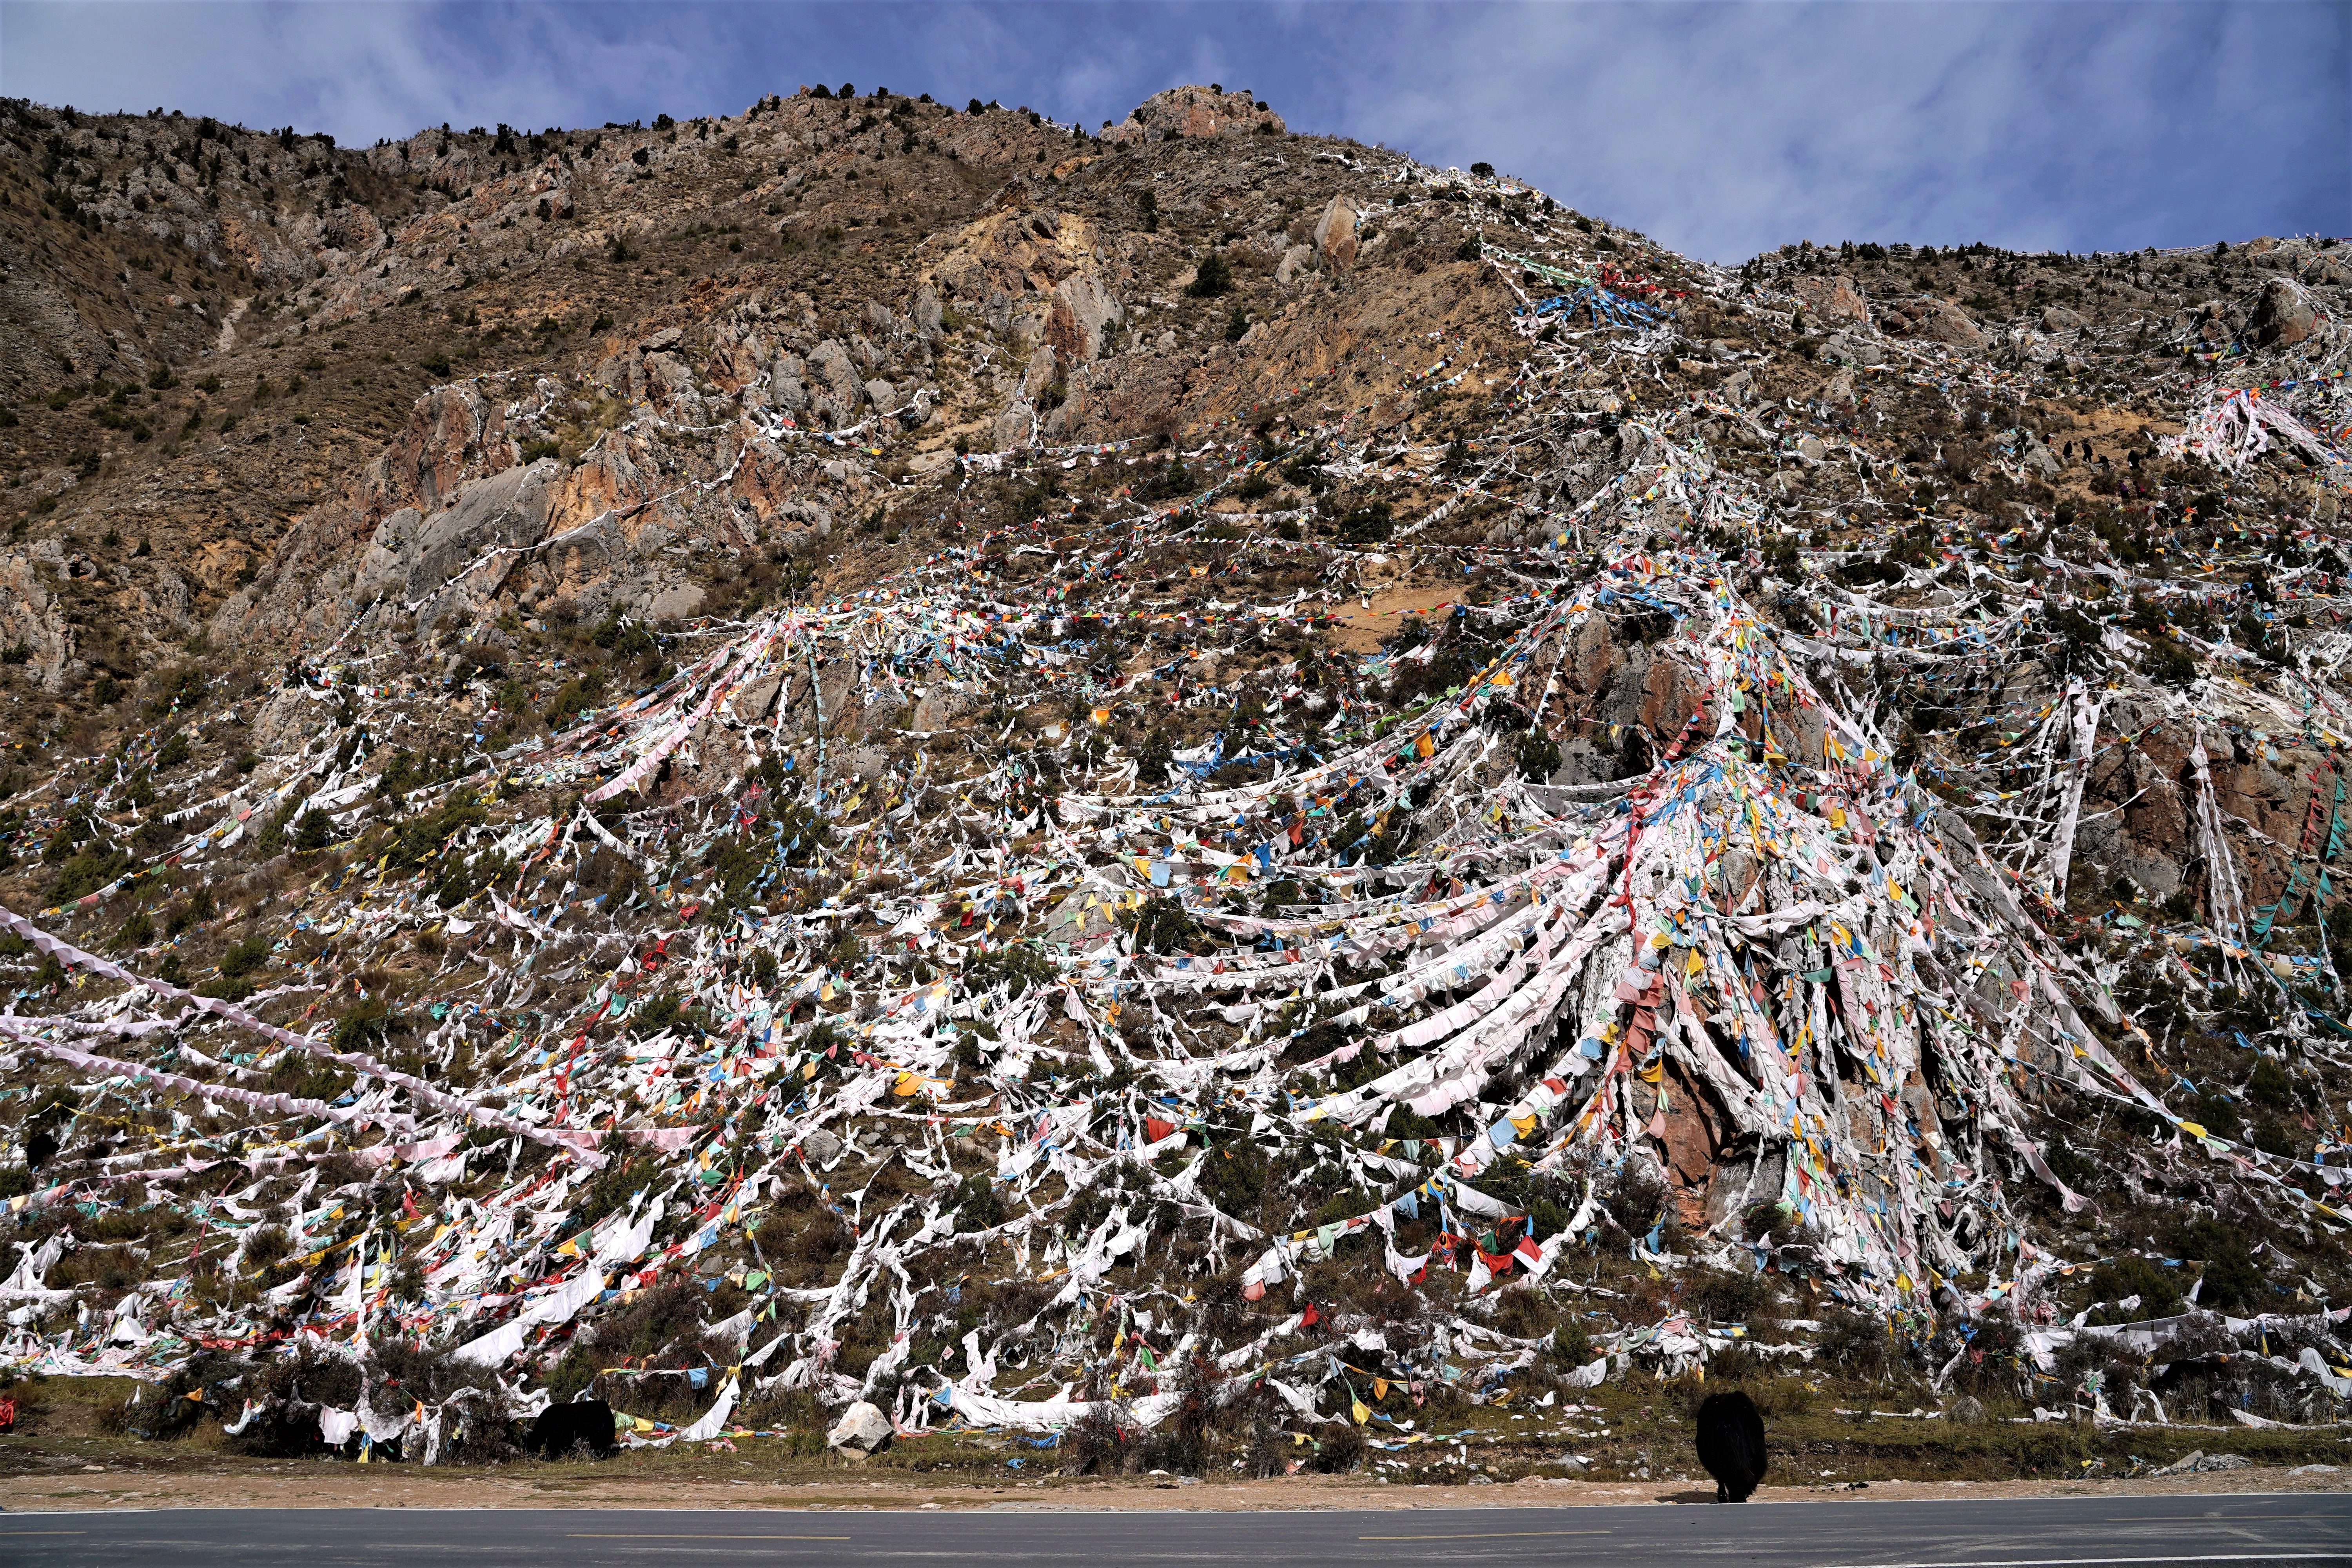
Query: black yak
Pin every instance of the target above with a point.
(1731, 1445)
(563, 1428)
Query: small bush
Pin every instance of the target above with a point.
(2233, 1280)
(244, 957)
(1212, 278)
(1161, 924)
(88, 871)
(1156, 756)
(2118, 1279)
(1860, 1346)
(1993, 1361)
(2270, 1086)
(369, 1025)
(1367, 524)
(1725, 1297)
(1097, 1444)
(1338, 1451)
(1537, 757)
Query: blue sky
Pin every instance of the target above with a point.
(1719, 128)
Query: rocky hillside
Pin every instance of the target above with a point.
(1197, 788)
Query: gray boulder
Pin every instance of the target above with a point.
(929, 312)
(412, 556)
(1853, 350)
(830, 362)
(862, 1432)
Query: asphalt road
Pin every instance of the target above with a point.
(2287, 1528)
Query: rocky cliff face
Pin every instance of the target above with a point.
(1154, 705)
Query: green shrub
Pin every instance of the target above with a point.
(1367, 524)
(2118, 1280)
(87, 872)
(1212, 278)
(2270, 1086)
(1539, 756)
(1152, 763)
(2232, 1282)
(370, 1025)
(1161, 924)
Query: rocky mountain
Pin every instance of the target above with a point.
(1196, 787)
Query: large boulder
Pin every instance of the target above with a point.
(1044, 366)
(2284, 315)
(1940, 320)
(2329, 270)
(670, 385)
(840, 388)
(1853, 350)
(927, 312)
(831, 361)
(862, 1432)
(1034, 275)
(1831, 299)
(1016, 428)
(1335, 236)
(785, 388)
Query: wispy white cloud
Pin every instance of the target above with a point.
(1720, 128)
(1726, 129)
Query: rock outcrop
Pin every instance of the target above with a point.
(1832, 299)
(1195, 111)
